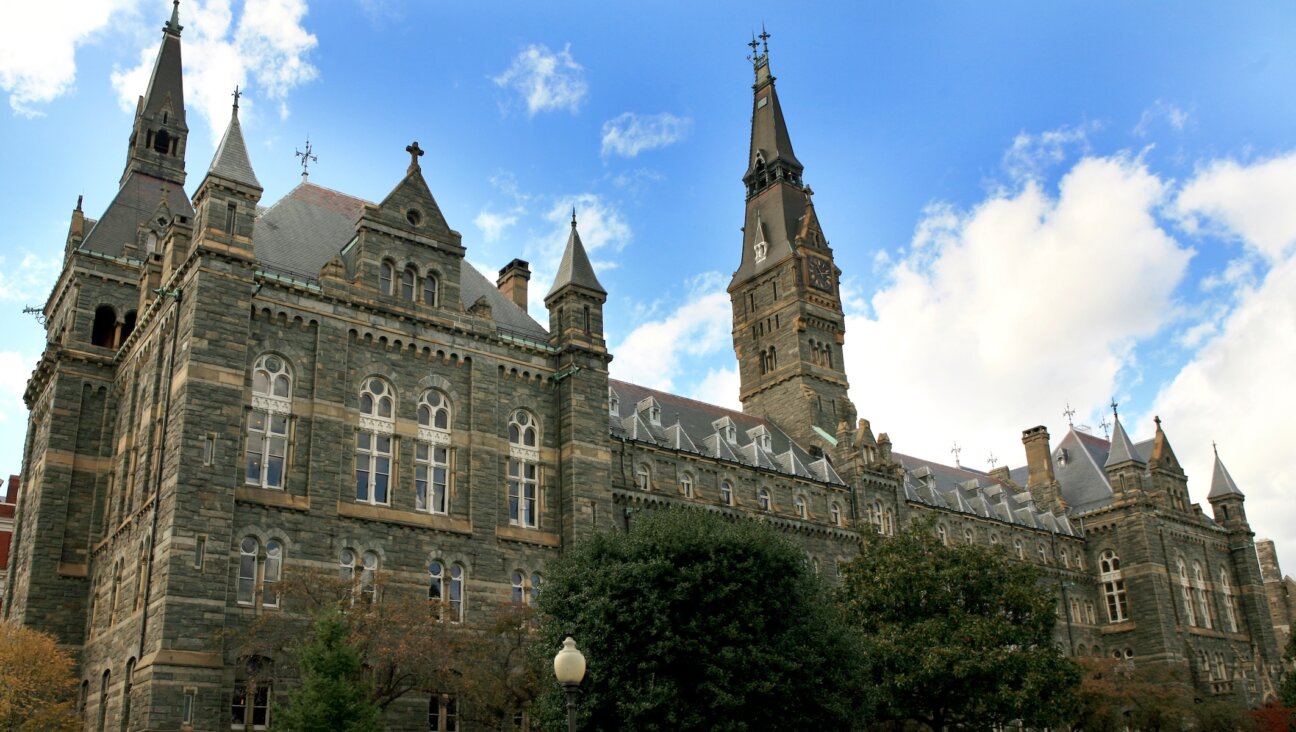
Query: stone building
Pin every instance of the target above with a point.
(234, 392)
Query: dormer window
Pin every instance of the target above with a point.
(760, 434)
(727, 429)
(614, 403)
(651, 410)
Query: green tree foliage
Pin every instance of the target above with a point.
(1288, 691)
(335, 693)
(956, 637)
(36, 682)
(691, 621)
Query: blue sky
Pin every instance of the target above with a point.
(1033, 204)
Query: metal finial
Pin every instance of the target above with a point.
(1215, 448)
(236, 96)
(173, 25)
(1114, 404)
(764, 36)
(992, 460)
(1069, 413)
(956, 450)
(1106, 427)
(307, 158)
(79, 202)
(753, 44)
(573, 217)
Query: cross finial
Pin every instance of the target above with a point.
(1070, 413)
(415, 154)
(307, 158)
(573, 217)
(992, 460)
(1106, 427)
(753, 45)
(764, 36)
(236, 96)
(955, 451)
(1157, 419)
(1114, 405)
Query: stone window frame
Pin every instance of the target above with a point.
(835, 513)
(1112, 579)
(525, 587)
(726, 492)
(1202, 595)
(942, 533)
(433, 455)
(1230, 608)
(260, 569)
(686, 484)
(387, 276)
(800, 506)
(409, 284)
(764, 499)
(969, 536)
(1019, 548)
(445, 578)
(375, 430)
(443, 712)
(643, 476)
(254, 677)
(271, 405)
(1185, 592)
(523, 470)
(430, 283)
(614, 403)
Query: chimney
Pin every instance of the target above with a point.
(513, 282)
(1039, 458)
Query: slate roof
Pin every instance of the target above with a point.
(167, 81)
(306, 228)
(1122, 449)
(134, 203)
(691, 426)
(231, 159)
(1221, 482)
(575, 268)
(971, 491)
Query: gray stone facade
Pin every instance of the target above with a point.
(149, 462)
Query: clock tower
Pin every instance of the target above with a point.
(788, 325)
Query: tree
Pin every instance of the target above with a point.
(499, 673)
(1287, 693)
(692, 621)
(37, 685)
(956, 636)
(335, 693)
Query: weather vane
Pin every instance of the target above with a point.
(38, 312)
(992, 460)
(236, 96)
(955, 451)
(1069, 413)
(1115, 414)
(307, 158)
(1106, 427)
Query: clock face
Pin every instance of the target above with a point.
(820, 273)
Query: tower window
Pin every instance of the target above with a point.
(230, 211)
(162, 142)
(105, 327)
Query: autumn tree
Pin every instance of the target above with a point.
(1121, 694)
(694, 621)
(956, 637)
(37, 685)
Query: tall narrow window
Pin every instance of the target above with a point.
(430, 287)
(643, 477)
(763, 499)
(245, 593)
(259, 572)
(943, 534)
(446, 585)
(432, 453)
(443, 713)
(103, 700)
(187, 710)
(128, 680)
(799, 505)
(267, 435)
(369, 577)
(231, 211)
(1018, 549)
(1185, 592)
(1113, 584)
(116, 588)
(519, 587)
(408, 278)
(726, 493)
(347, 565)
(271, 571)
(373, 458)
(250, 702)
(1203, 597)
(386, 273)
(104, 331)
(523, 483)
(836, 513)
(1230, 610)
(586, 320)
(686, 485)
(534, 589)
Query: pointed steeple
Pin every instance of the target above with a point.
(231, 160)
(575, 269)
(159, 134)
(1222, 484)
(771, 145)
(1122, 449)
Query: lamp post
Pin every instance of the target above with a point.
(569, 667)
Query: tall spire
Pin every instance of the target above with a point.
(1122, 449)
(231, 160)
(159, 133)
(575, 268)
(1221, 482)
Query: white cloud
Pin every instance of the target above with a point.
(1237, 388)
(629, 134)
(38, 44)
(15, 369)
(492, 225)
(602, 228)
(659, 352)
(1161, 110)
(996, 317)
(1030, 156)
(30, 282)
(546, 80)
(1254, 202)
(265, 53)
(719, 387)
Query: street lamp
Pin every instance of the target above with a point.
(569, 667)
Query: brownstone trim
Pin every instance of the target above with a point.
(281, 499)
(407, 518)
(73, 570)
(194, 659)
(528, 536)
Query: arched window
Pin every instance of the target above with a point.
(967, 536)
(245, 592)
(686, 485)
(835, 512)
(1185, 591)
(888, 521)
(103, 699)
(443, 713)
(267, 430)
(994, 539)
(1203, 598)
(1066, 559)
(1221, 668)
(534, 589)
(259, 568)
(373, 458)
(643, 477)
(1230, 609)
(1113, 585)
(519, 587)
(116, 588)
(763, 499)
(128, 680)
(250, 702)
(386, 274)
(430, 289)
(104, 331)
(943, 534)
(128, 325)
(432, 453)
(1043, 553)
(523, 471)
(526, 587)
(408, 279)
(1019, 549)
(369, 577)
(346, 565)
(799, 505)
(726, 493)
(446, 586)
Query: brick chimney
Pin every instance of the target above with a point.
(1040, 480)
(513, 282)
